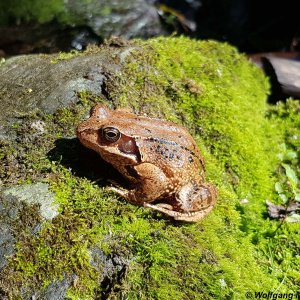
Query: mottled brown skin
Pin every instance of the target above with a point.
(159, 158)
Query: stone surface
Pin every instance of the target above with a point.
(12, 201)
(6, 242)
(112, 268)
(129, 18)
(37, 193)
(56, 290)
(41, 82)
(288, 75)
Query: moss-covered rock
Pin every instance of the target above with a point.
(102, 247)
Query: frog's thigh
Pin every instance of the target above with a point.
(196, 197)
(153, 180)
(194, 200)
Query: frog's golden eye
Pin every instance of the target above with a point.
(111, 134)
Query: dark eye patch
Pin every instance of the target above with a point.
(128, 145)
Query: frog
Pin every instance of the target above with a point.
(159, 159)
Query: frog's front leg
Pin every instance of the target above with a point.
(152, 184)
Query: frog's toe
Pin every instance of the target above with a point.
(128, 195)
(164, 208)
(167, 209)
(159, 205)
(193, 216)
(119, 191)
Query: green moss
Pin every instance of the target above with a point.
(165, 256)
(220, 97)
(65, 56)
(286, 118)
(106, 10)
(30, 10)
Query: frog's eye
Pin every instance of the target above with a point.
(111, 134)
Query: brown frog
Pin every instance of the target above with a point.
(159, 158)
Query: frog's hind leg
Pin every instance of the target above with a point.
(193, 216)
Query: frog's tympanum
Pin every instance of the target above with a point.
(159, 158)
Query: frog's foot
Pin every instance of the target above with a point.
(120, 191)
(159, 206)
(192, 216)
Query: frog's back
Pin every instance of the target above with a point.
(147, 128)
(159, 139)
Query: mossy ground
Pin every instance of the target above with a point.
(221, 98)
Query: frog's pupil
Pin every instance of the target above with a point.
(111, 134)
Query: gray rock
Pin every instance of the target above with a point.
(56, 290)
(128, 18)
(37, 193)
(6, 242)
(288, 75)
(32, 82)
(109, 265)
(112, 268)
(11, 204)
